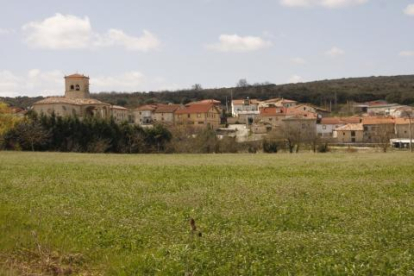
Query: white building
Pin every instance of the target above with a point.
(246, 107)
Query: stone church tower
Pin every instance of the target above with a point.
(77, 86)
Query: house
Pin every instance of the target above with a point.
(144, 115)
(349, 133)
(164, 113)
(402, 111)
(378, 129)
(327, 125)
(402, 127)
(75, 102)
(198, 115)
(280, 118)
(277, 102)
(244, 106)
(120, 114)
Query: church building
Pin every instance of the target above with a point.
(77, 102)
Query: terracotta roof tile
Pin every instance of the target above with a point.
(251, 101)
(377, 120)
(147, 107)
(350, 127)
(167, 108)
(403, 121)
(76, 76)
(195, 108)
(340, 120)
(63, 100)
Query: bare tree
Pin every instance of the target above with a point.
(31, 134)
(197, 87)
(383, 136)
(242, 83)
(410, 115)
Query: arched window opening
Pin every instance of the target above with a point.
(77, 87)
(72, 87)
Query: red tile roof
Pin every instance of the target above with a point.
(272, 111)
(63, 100)
(196, 108)
(119, 107)
(147, 107)
(167, 108)
(241, 102)
(403, 121)
(377, 120)
(340, 120)
(76, 76)
(350, 127)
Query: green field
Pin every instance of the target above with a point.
(282, 214)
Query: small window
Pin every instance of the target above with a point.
(72, 87)
(352, 133)
(77, 87)
(188, 116)
(343, 133)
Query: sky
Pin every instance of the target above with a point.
(154, 45)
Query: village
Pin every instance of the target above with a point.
(371, 123)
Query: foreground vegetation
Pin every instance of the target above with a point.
(257, 214)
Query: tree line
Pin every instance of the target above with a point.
(399, 89)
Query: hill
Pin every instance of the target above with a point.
(399, 89)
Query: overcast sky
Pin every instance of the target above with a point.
(137, 45)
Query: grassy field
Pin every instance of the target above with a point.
(300, 214)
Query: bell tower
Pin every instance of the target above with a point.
(77, 86)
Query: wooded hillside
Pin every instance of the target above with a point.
(399, 89)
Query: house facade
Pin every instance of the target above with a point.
(199, 116)
(402, 127)
(349, 133)
(164, 114)
(144, 115)
(378, 129)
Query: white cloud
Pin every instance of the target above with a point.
(295, 79)
(146, 42)
(322, 3)
(298, 60)
(34, 83)
(6, 31)
(235, 43)
(62, 32)
(409, 10)
(51, 83)
(406, 54)
(335, 52)
(125, 82)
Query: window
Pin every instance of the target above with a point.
(72, 87)
(352, 133)
(188, 115)
(343, 133)
(353, 140)
(77, 88)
